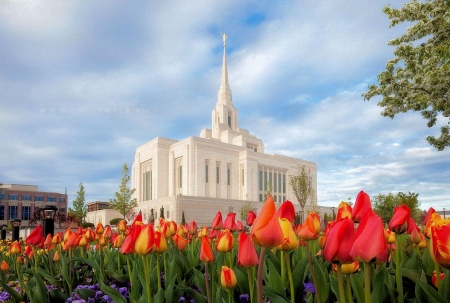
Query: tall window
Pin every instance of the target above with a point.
(229, 120)
(39, 198)
(206, 172)
(12, 212)
(51, 199)
(228, 176)
(2, 212)
(178, 175)
(25, 212)
(217, 174)
(147, 180)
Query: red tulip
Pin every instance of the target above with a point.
(370, 244)
(362, 204)
(399, 221)
(36, 237)
(251, 216)
(179, 242)
(137, 219)
(160, 242)
(344, 211)
(239, 226)
(440, 243)
(230, 222)
(266, 230)
(48, 241)
(433, 218)
(206, 253)
(192, 229)
(287, 211)
(247, 255)
(428, 215)
(339, 242)
(173, 227)
(217, 221)
(310, 228)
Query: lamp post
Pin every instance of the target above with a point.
(16, 228)
(4, 227)
(48, 213)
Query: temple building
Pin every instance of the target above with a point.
(223, 169)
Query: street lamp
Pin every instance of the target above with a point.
(48, 213)
(16, 227)
(4, 227)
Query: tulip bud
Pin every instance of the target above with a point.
(251, 216)
(247, 255)
(56, 256)
(4, 266)
(15, 248)
(227, 277)
(206, 253)
(99, 229)
(217, 221)
(107, 233)
(179, 242)
(225, 241)
(290, 240)
(122, 225)
(160, 242)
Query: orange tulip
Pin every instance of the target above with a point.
(339, 242)
(230, 222)
(179, 242)
(56, 256)
(227, 277)
(362, 204)
(203, 232)
(83, 241)
(290, 240)
(99, 229)
(57, 238)
(225, 241)
(440, 243)
(287, 211)
(311, 228)
(4, 266)
(67, 234)
(247, 255)
(344, 211)
(217, 221)
(370, 244)
(48, 241)
(251, 216)
(73, 240)
(428, 215)
(90, 234)
(36, 237)
(173, 227)
(206, 253)
(122, 226)
(165, 230)
(414, 232)
(15, 248)
(118, 241)
(192, 228)
(266, 230)
(433, 218)
(143, 244)
(107, 233)
(348, 269)
(322, 242)
(182, 230)
(160, 242)
(399, 221)
(423, 241)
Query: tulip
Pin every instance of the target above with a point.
(389, 236)
(212, 233)
(399, 221)
(143, 244)
(173, 227)
(225, 241)
(251, 216)
(56, 256)
(227, 277)
(433, 218)
(182, 230)
(339, 242)
(217, 221)
(440, 242)
(423, 241)
(266, 230)
(118, 241)
(230, 222)
(247, 255)
(433, 277)
(48, 241)
(90, 234)
(239, 226)
(138, 219)
(414, 232)
(348, 269)
(122, 226)
(428, 215)
(287, 211)
(344, 211)
(4, 266)
(206, 253)
(311, 228)
(370, 244)
(73, 240)
(290, 240)
(99, 229)
(57, 238)
(179, 242)
(36, 236)
(15, 248)
(160, 242)
(67, 234)
(322, 242)
(165, 230)
(83, 241)
(362, 204)
(107, 233)
(203, 232)
(192, 229)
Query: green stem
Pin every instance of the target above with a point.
(129, 270)
(311, 268)
(260, 274)
(398, 269)
(166, 274)
(291, 281)
(366, 283)
(341, 284)
(158, 271)
(208, 291)
(438, 275)
(35, 257)
(283, 279)
(349, 289)
(250, 281)
(229, 295)
(118, 261)
(147, 278)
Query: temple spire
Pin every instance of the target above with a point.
(224, 95)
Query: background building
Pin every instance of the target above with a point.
(20, 201)
(223, 169)
(99, 211)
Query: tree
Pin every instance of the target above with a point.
(183, 219)
(302, 188)
(384, 205)
(161, 212)
(418, 78)
(79, 209)
(244, 211)
(123, 202)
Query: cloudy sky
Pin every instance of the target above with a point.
(84, 83)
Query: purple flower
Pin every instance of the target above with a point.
(309, 287)
(244, 298)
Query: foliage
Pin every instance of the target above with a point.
(161, 212)
(302, 188)
(123, 202)
(244, 210)
(79, 209)
(183, 218)
(418, 78)
(384, 205)
(115, 221)
(151, 218)
(87, 224)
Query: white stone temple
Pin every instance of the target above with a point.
(221, 170)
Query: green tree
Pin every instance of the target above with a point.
(79, 209)
(384, 205)
(123, 202)
(418, 78)
(244, 211)
(302, 188)
(183, 218)
(161, 212)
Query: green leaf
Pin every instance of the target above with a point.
(431, 294)
(299, 273)
(334, 285)
(378, 292)
(274, 295)
(85, 293)
(199, 280)
(114, 294)
(12, 292)
(242, 280)
(357, 287)
(118, 277)
(274, 279)
(56, 296)
(444, 289)
(169, 289)
(322, 287)
(199, 298)
(159, 297)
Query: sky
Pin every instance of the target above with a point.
(84, 83)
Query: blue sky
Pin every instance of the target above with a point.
(83, 84)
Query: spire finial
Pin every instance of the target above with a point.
(224, 36)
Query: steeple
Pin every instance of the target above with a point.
(224, 95)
